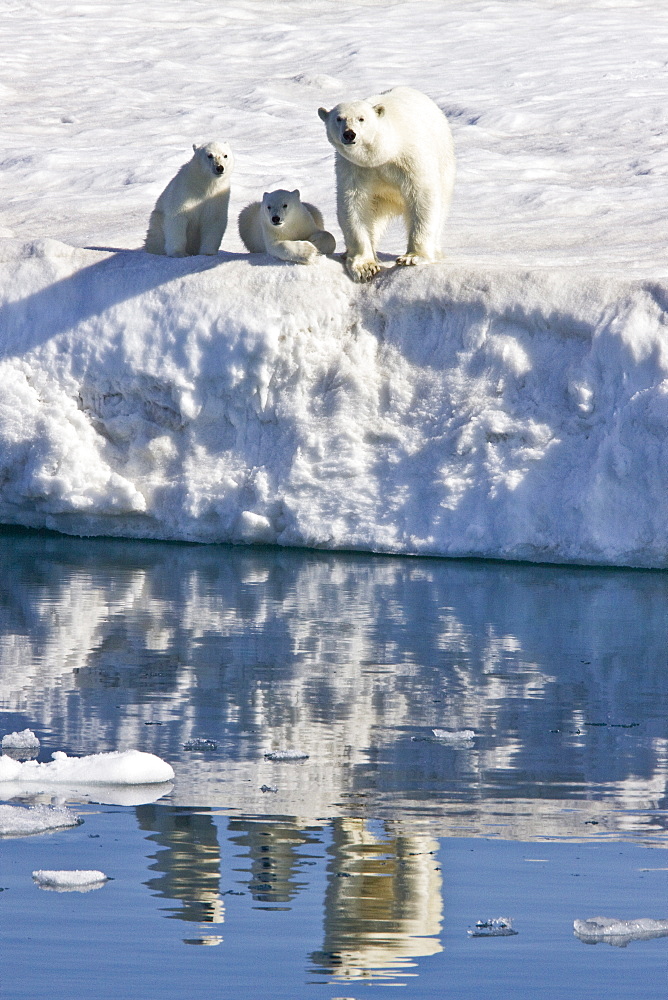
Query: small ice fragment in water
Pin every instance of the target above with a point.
(493, 927)
(70, 881)
(455, 736)
(25, 740)
(269, 788)
(198, 744)
(17, 821)
(286, 755)
(618, 932)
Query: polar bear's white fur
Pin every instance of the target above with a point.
(286, 227)
(394, 156)
(190, 216)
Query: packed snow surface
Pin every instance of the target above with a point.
(18, 821)
(128, 767)
(25, 740)
(511, 401)
(78, 880)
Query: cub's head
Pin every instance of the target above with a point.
(215, 157)
(277, 205)
(354, 129)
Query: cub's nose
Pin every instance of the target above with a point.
(348, 135)
(276, 219)
(220, 169)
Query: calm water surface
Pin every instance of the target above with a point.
(359, 869)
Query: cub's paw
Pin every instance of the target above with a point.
(410, 259)
(362, 269)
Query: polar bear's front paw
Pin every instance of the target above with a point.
(410, 259)
(361, 268)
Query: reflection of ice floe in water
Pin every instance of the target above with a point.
(129, 767)
(619, 932)
(208, 940)
(492, 927)
(199, 744)
(286, 755)
(17, 821)
(388, 912)
(70, 881)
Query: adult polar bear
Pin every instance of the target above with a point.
(190, 216)
(395, 156)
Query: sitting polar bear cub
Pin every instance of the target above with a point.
(394, 156)
(286, 227)
(190, 216)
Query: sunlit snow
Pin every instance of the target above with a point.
(18, 821)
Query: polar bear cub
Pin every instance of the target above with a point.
(286, 227)
(394, 157)
(190, 216)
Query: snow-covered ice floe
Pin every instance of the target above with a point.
(454, 735)
(19, 821)
(25, 740)
(128, 767)
(611, 930)
(286, 755)
(443, 410)
(70, 881)
(493, 927)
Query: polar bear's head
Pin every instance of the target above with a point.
(357, 130)
(277, 206)
(215, 158)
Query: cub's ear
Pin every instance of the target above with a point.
(324, 113)
(194, 147)
(380, 110)
(296, 193)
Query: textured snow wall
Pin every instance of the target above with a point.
(439, 410)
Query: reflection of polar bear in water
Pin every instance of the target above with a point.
(394, 156)
(190, 216)
(285, 227)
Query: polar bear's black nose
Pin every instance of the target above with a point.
(348, 135)
(276, 219)
(220, 169)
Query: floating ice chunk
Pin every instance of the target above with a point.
(493, 927)
(619, 932)
(25, 740)
(17, 821)
(198, 744)
(454, 736)
(268, 788)
(128, 767)
(70, 881)
(286, 755)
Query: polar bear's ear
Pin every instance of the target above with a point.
(380, 110)
(194, 147)
(324, 113)
(295, 193)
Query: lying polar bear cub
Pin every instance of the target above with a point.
(190, 216)
(394, 157)
(286, 227)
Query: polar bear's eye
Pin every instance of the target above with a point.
(224, 156)
(285, 206)
(339, 118)
(210, 155)
(360, 119)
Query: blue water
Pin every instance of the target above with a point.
(361, 868)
